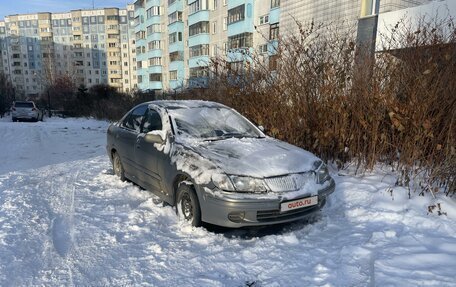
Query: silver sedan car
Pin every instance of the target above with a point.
(215, 166)
(25, 110)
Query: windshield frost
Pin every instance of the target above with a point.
(212, 123)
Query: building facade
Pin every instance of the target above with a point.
(90, 46)
(176, 39)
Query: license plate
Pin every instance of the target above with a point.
(299, 203)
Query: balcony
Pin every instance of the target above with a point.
(274, 15)
(199, 39)
(155, 69)
(200, 61)
(202, 15)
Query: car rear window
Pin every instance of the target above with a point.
(23, 105)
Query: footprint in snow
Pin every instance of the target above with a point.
(61, 235)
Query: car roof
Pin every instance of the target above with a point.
(186, 104)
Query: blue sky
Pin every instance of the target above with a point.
(11, 7)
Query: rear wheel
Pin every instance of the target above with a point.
(187, 205)
(117, 166)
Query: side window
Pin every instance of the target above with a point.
(153, 122)
(134, 119)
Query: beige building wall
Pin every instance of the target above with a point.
(343, 13)
(218, 24)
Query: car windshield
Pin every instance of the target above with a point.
(212, 123)
(23, 105)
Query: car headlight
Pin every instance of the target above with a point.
(321, 171)
(248, 184)
(239, 183)
(223, 182)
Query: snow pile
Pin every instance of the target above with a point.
(65, 219)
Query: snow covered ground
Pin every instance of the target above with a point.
(65, 219)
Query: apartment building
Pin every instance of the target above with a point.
(91, 46)
(177, 39)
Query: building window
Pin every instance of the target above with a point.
(225, 23)
(155, 61)
(274, 32)
(175, 17)
(263, 48)
(155, 77)
(174, 37)
(154, 28)
(173, 75)
(140, 35)
(214, 27)
(275, 3)
(176, 56)
(154, 45)
(198, 5)
(264, 19)
(198, 28)
(199, 50)
(153, 11)
(199, 72)
(171, 2)
(236, 14)
(243, 40)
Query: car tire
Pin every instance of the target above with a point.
(13, 119)
(117, 166)
(187, 205)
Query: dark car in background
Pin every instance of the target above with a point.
(215, 166)
(25, 110)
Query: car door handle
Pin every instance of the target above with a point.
(138, 143)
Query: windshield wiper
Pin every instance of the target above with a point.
(234, 135)
(228, 136)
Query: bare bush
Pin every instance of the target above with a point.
(6, 94)
(398, 107)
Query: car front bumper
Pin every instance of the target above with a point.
(239, 212)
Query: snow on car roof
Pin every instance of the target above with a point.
(186, 104)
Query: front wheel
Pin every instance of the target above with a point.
(187, 205)
(117, 166)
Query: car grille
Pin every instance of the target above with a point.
(289, 182)
(276, 215)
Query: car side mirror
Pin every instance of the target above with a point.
(155, 137)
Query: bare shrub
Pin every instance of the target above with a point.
(398, 107)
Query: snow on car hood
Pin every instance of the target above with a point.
(256, 157)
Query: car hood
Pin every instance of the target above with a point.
(256, 157)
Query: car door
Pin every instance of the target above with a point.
(149, 156)
(126, 137)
